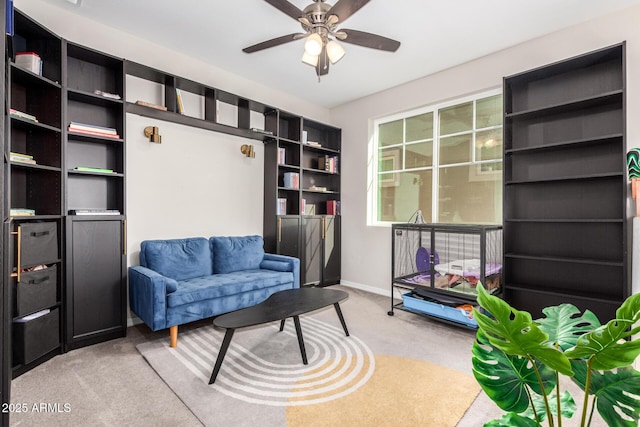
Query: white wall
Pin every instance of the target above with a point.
(367, 249)
(196, 183)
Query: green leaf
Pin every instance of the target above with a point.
(567, 406)
(607, 345)
(512, 420)
(563, 327)
(515, 333)
(617, 393)
(505, 378)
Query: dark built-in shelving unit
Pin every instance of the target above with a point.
(565, 186)
(297, 220)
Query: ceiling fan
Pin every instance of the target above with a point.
(319, 21)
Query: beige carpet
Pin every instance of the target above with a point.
(383, 376)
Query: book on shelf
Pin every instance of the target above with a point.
(22, 115)
(328, 163)
(262, 131)
(317, 188)
(292, 180)
(93, 128)
(107, 94)
(333, 207)
(281, 206)
(94, 212)
(91, 169)
(22, 212)
(282, 156)
(21, 158)
(314, 144)
(93, 133)
(179, 101)
(152, 105)
(29, 61)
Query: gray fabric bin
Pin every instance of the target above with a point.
(36, 337)
(39, 243)
(36, 290)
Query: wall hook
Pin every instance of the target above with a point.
(151, 132)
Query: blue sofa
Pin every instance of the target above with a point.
(182, 280)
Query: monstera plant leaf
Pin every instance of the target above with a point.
(564, 325)
(617, 393)
(505, 378)
(607, 346)
(512, 420)
(515, 333)
(567, 406)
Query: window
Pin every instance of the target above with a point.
(445, 160)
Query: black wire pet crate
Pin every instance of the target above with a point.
(436, 268)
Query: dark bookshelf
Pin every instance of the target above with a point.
(565, 217)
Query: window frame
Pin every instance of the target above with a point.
(372, 211)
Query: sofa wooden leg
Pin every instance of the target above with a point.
(173, 333)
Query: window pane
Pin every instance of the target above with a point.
(419, 127)
(418, 155)
(489, 145)
(458, 118)
(390, 133)
(455, 149)
(389, 159)
(470, 195)
(401, 194)
(489, 112)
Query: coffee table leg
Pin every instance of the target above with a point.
(282, 324)
(223, 350)
(344, 325)
(296, 321)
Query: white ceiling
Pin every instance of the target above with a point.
(435, 35)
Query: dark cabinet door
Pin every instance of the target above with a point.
(96, 281)
(311, 262)
(331, 251)
(288, 236)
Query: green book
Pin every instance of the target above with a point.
(89, 169)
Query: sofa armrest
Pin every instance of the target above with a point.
(148, 296)
(289, 263)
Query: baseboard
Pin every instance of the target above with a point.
(366, 288)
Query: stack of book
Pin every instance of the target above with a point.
(282, 156)
(21, 158)
(93, 130)
(328, 163)
(313, 143)
(22, 212)
(152, 105)
(21, 115)
(281, 207)
(292, 180)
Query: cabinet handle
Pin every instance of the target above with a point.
(324, 227)
(279, 229)
(124, 237)
(18, 244)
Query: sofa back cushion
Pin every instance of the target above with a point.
(236, 253)
(179, 259)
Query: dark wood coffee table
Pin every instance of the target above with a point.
(279, 306)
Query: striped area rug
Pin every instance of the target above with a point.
(380, 375)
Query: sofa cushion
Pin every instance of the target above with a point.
(179, 259)
(236, 253)
(221, 285)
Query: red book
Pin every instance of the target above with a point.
(88, 132)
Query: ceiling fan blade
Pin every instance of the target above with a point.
(323, 63)
(285, 7)
(345, 8)
(273, 42)
(372, 41)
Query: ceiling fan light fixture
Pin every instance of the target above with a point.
(335, 51)
(313, 44)
(309, 59)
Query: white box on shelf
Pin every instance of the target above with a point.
(30, 61)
